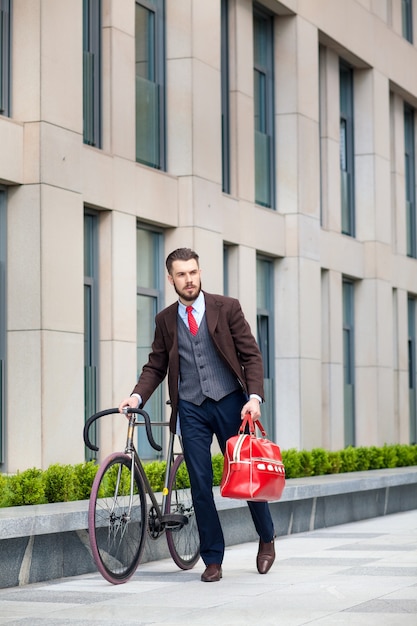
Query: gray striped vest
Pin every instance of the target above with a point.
(203, 373)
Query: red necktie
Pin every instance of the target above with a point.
(191, 320)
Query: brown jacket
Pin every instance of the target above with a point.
(231, 335)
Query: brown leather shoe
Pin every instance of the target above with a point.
(265, 557)
(212, 573)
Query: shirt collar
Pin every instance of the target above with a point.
(199, 306)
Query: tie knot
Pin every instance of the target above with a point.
(189, 308)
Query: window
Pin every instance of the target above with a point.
(149, 273)
(349, 362)
(347, 150)
(150, 88)
(264, 108)
(412, 368)
(2, 318)
(92, 72)
(91, 322)
(265, 332)
(407, 19)
(225, 96)
(5, 47)
(410, 181)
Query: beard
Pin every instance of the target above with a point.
(185, 296)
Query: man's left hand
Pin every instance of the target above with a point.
(252, 407)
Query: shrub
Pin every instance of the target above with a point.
(25, 488)
(390, 456)
(348, 457)
(84, 474)
(155, 471)
(376, 458)
(335, 462)
(320, 461)
(306, 462)
(292, 463)
(362, 459)
(217, 462)
(59, 483)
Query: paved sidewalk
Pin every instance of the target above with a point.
(363, 573)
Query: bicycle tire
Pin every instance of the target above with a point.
(184, 542)
(117, 542)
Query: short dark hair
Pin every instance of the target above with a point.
(180, 254)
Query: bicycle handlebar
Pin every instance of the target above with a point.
(96, 416)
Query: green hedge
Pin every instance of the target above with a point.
(65, 483)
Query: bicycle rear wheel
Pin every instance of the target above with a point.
(183, 542)
(116, 521)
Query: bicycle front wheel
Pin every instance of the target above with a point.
(183, 542)
(117, 518)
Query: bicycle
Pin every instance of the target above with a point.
(123, 507)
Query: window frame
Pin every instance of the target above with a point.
(265, 335)
(225, 96)
(264, 100)
(92, 54)
(157, 8)
(347, 155)
(407, 20)
(5, 56)
(348, 329)
(410, 180)
(91, 324)
(3, 314)
(412, 366)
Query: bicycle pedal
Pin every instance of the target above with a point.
(174, 521)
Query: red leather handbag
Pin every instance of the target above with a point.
(253, 467)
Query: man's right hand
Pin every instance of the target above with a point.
(131, 402)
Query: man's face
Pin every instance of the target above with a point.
(186, 280)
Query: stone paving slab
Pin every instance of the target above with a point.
(361, 573)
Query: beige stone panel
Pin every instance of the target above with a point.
(329, 94)
(308, 169)
(342, 254)
(207, 205)
(61, 258)
(310, 398)
(26, 52)
(402, 413)
(179, 117)
(60, 157)
(383, 218)
(286, 128)
(366, 406)
(381, 9)
(209, 247)
(242, 147)
(124, 277)
(310, 309)
(11, 153)
(62, 397)
(378, 260)
(185, 202)
(23, 258)
(179, 40)
(330, 186)
(120, 15)
(105, 286)
(371, 93)
(365, 210)
(387, 430)
(106, 89)
(263, 229)
(401, 322)
(231, 219)
(241, 47)
(247, 276)
(288, 424)
(404, 273)
(365, 311)
(98, 178)
(269, 233)
(61, 56)
(332, 406)
(307, 70)
(206, 117)
(287, 308)
(32, 153)
(384, 328)
(206, 32)
(122, 91)
(23, 434)
(156, 196)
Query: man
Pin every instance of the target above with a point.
(215, 377)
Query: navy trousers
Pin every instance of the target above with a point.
(198, 425)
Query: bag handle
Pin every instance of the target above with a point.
(248, 421)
